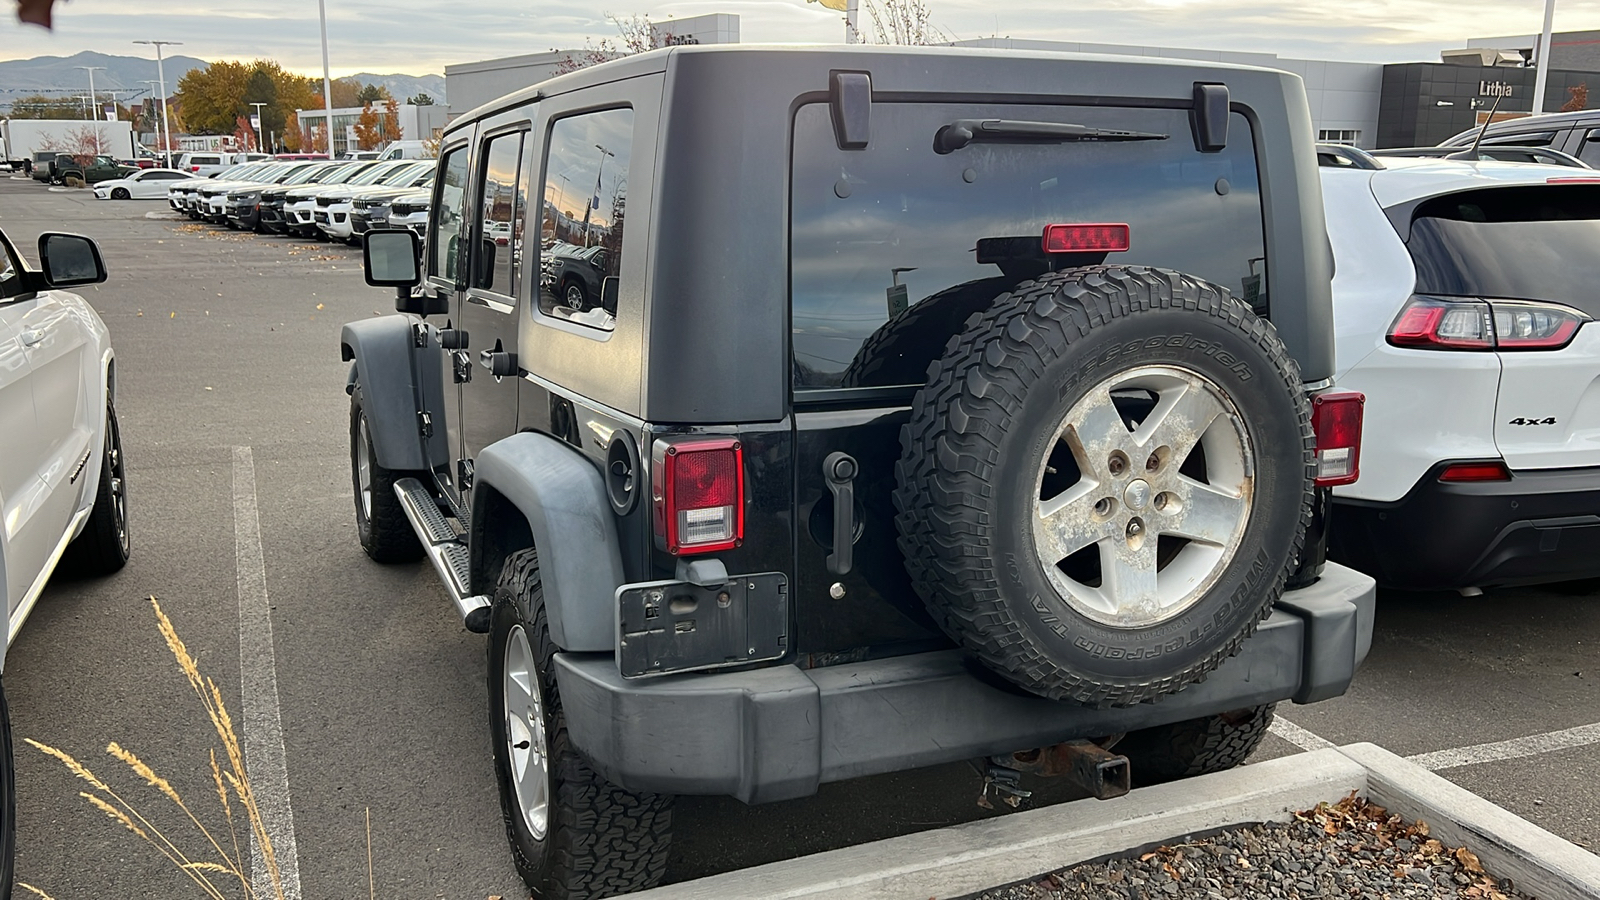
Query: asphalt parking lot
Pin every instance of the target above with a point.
(236, 432)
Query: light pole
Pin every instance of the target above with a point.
(1542, 74)
(590, 203)
(259, 145)
(94, 114)
(327, 82)
(166, 125)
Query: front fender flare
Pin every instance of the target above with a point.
(563, 498)
(383, 350)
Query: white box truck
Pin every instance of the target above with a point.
(22, 138)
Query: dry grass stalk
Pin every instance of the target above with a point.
(26, 886)
(234, 775)
(372, 884)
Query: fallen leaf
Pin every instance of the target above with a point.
(1469, 861)
(319, 306)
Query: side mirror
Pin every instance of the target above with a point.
(70, 260)
(608, 293)
(389, 256)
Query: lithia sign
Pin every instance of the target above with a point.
(1494, 89)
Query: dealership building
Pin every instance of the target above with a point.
(1367, 105)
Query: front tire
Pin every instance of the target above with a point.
(575, 297)
(573, 834)
(103, 546)
(381, 523)
(1196, 746)
(120, 194)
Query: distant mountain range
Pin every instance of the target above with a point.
(56, 75)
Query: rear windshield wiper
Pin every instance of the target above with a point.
(961, 132)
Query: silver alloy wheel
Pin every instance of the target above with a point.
(364, 467)
(574, 296)
(525, 740)
(1130, 493)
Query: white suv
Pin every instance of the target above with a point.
(1464, 296)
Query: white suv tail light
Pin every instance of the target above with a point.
(1434, 323)
(1336, 419)
(698, 491)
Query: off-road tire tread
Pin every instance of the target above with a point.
(878, 351)
(1196, 746)
(950, 446)
(605, 841)
(388, 536)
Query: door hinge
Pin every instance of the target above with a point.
(419, 335)
(425, 424)
(464, 473)
(461, 366)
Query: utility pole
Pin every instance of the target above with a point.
(166, 126)
(94, 112)
(1542, 73)
(327, 82)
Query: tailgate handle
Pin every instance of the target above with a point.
(840, 471)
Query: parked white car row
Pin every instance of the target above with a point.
(338, 200)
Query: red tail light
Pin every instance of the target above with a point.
(1086, 238)
(1459, 473)
(1432, 323)
(698, 489)
(1336, 419)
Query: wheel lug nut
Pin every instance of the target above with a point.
(1117, 463)
(1153, 463)
(1135, 528)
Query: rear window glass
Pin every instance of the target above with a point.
(1536, 242)
(877, 232)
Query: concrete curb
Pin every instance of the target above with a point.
(1538, 862)
(965, 859)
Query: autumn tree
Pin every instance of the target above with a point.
(367, 125)
(319, 137)
(904, 22)
(635, 34)
(1577, 98)
(292, 138)
(213, 98)
(38, 106)
(389, 128)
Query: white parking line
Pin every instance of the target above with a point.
(1473, 754)
(258, 685)
(1298, 736)
(1516, 748)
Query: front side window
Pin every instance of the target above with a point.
(585, 202)
(445, 226)
(502, 202)
(877, 233)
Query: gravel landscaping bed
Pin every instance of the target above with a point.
(1351, 849)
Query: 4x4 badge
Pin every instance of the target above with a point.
(1548, 420)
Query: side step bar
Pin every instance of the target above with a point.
(445, 550)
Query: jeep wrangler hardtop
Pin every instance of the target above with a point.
(917, 405)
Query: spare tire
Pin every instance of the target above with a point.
(1105, 481)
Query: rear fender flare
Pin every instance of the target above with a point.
(569, 521)
(383, 351)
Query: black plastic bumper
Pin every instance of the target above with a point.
(1541, 526)
(244, 215)
(777, 733)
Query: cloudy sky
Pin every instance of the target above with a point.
(422, 36)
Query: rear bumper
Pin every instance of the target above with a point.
(1541, 526)
(777, 733)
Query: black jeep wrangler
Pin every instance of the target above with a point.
(936, 405)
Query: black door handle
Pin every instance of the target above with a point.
(840, 471)
(499, 363)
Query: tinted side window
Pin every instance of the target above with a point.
(1591, 148)
(877, 233)
(445, 225)
(501, 202)
(10, 271)
(585, 202)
